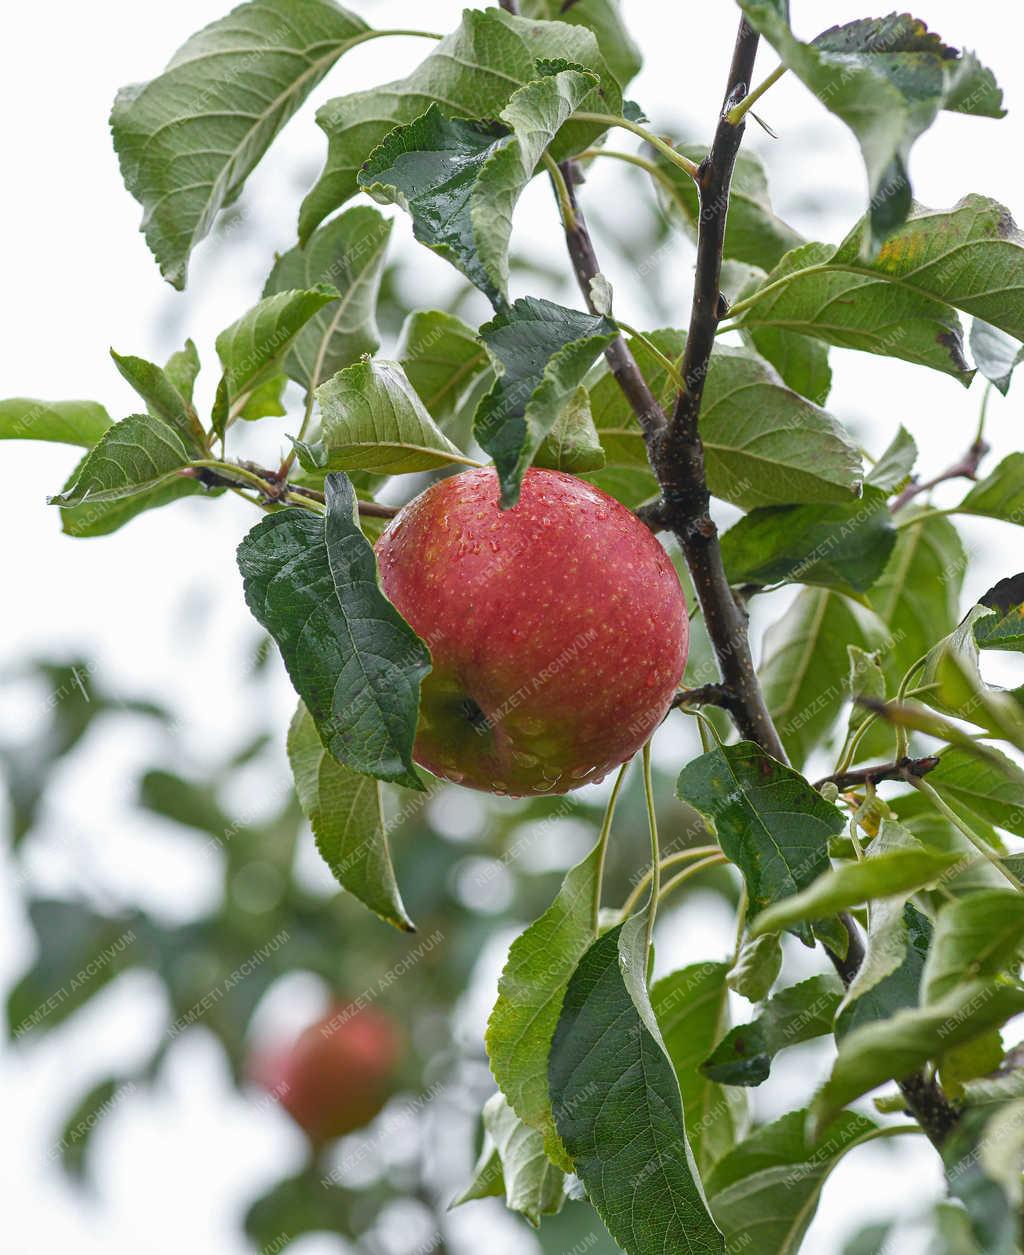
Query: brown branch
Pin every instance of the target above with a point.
(965, 467)
(621, 361)
(704, 695)
(278, 489)
(881, 771)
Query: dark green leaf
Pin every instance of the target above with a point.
(266, 400)
(995, 353)
(990, 787)
(799, 1013)
(347, 253)
(999, 495)
(896, 1047)
(764, 445)
(188, 139)
(542, 350)
(617, 1107)
(100, 518)
(252, 349)
(800, 360)
(65, 422)
(887, 79)
(344, 810)
(182, 369)
(764, 1193)
(441, 356)
(470, 74)
(768, 820)
(163, 400)
(355, 662)
(83, 1120)
(1005, 628)
(692, 1010)
(892, 470)
(372, 419)
(844, 547)
(898, 940)
(978, 936)
(461, 180)
(136, 454)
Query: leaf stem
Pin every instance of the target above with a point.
(936, 800)
(561, 187)
(737, 112)
(663, 360)
(713, 860)
(670, 860)
(652, 168)
(652, 820)
(655, 141)
(602, 841)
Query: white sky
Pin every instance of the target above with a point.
(177, 1168)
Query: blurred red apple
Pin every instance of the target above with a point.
(558, 629)
(338, 1073)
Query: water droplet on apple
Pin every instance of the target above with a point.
(580, 773)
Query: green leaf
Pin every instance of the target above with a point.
(892, 470)
(768, 819)
(995, 353)
(799, 1013)
(442, 357)
(617, 1107)
(542, 351)
(753, 234)
(530, 992)
(988, 787)
(266, 400)
(373, 420)
(692, 1010)
(182, 369)
(866, 680)
(890, 874)
(999, 495)
(83, 1120)
(976, 937)
(764, 1193)
(893, 966)
(311, 581)
(897, 939)
(572, 445)
(64, 422)
(800, 360)
(101, 517)
(461, 180)
(897, 1047)
(887, 79)
(1005, 628)
(763, 444)
(163, 400)
(136, 454)
(844, 547)
(804, 653)
(78, 953)
(851, 307)
(348, 253)
(918, 594)
(604, 18)
(252, 349)
(344, 810)
(982, 1157)
(533, 1186)
(757, 967)
(470, 74)
(188, 139)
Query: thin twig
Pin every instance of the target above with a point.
(965, 467)
(880, 771)
(704, 695)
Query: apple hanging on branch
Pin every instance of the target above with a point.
(523, 699)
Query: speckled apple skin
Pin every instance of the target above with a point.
(558, 630)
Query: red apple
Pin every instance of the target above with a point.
(558, 629)
(337, 1075)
